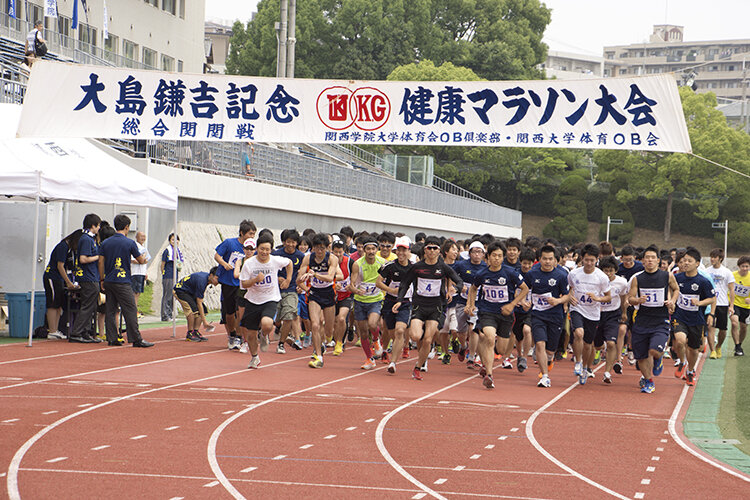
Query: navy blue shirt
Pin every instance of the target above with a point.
(117, 250)
(467, 271)
(169, 263)
(628, 273)
(87, 246)
(496, 288)
(59, 254)
(547, 284)
(696, 287)
(230, 250)
(194, 285)
(296, 259)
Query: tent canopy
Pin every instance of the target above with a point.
(71, 170)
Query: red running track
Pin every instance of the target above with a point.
(188, 420)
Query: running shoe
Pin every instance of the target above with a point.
(369, 364)
(521, 365)
(358, 343)
(424, 366)
(590, 373)
(297, 345)
(550, 366)
(649, 387)
(477, 360)
(669, 355)
(470, 363)
(350, 334)
(192, 337)
(617, 368)
(461, 354)
(677, 362)
(690, 378)
(607, 378)
(738, 351)
(405, 352)
(416, 374)
(245, 348)
(578, 369)
(392, 368)
(56, 335)
(233, 345)
(642, 382)
(631, 358)
(455, 346)
(544, 382)
(385, 358)
(488, 382)
(718, 353)
(280, 349)
(331, 344)
(432, 354)
(658, 367)
(377, 349)
(200, 337)
(307, 342)
(482, 372)
(713, 355)
(254, 362)
(316, 362)
(338, 350)
(507, 364)
(680, 370)
(263, 342)
(597, 357)
(583, 376)
(446, 358)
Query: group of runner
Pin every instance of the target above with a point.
(481, 300)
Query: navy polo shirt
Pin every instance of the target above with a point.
(193, 285)
(296, 259)
(117, 250)
(87, 246)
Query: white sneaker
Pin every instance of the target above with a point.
(432, 354)
(591, 373)
(56, 335)
(424, 366)
(578, 369)
(507, 364)
(392, 367)
(263, 342)
(378, 350)
(234, 343)
(331, 344)
(244, 348)
(544, 382)
(607, 378)
(280, 349)
(255, 362)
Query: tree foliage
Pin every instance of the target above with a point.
(570, 224)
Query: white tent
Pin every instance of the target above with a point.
(70, 170)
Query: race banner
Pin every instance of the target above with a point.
(69, 100)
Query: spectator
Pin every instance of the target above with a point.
(87, 276)
(138, 271)
(35, 50)
(189, 293)
(169, 257)
(55, 277)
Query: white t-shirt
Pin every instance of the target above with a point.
(140, 269)
(582, 283)
(723, 277)
(268, 289)
(619, 287)
(31, 36)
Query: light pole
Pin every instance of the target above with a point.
(611, 221)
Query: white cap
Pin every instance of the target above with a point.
(476, 244)
(402, 241)
(249, 243)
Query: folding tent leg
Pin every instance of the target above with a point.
(33, 268)
(174, 279)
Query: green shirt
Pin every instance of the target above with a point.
(368, 274)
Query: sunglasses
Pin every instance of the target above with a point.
(432, 247)
(386, 245)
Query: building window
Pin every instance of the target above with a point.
(87, 35)
(167, 63)
(182, 9)
(149, 57)
(169, 6)
(179, 66)
(130, 50)
(111, 44)
(623, 71)
(155, 3)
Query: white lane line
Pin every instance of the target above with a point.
(330, 436)
(11, 420)
(549, 456)
(177, 498)
(368, 420)
(278, 457)
(172, 428)
(305, 446)
(523, 421)
(97, 448)
(502, 438)
(441, 480)
(650, 469)
(489, 471)
(50, 412)
(639, 495)
(459, 468)
(55, 460)
(140, 436)
(350, 428)
(664, 441)
(228, 412)
(514, 429)
(386, 412)
(660, 449)
(249, 469)
(655, 459)
(85, 405)
(645, 481)
(475, 457)
(419, 495)
(211, 484)
(384, 451)
(2, 474)
(489, 446)
(197, 419)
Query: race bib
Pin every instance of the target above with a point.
(428, 288)
(684, 302)
(265, 283)
(584, 299)
(341, 285)
(539, 301)
(654, 297)
(235, 257)
(369, 289)
(318, 283)
(394, 284)
(741, 291)
(465, 293)
(495, 294)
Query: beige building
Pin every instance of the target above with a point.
(154, 34)
(571, 66)
(717, 64)
(216, 45)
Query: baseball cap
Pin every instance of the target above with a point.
(476, 244)
(249, 243)
(402, 241)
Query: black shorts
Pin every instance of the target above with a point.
(254, 313)
(188, 299)
(741, 313)
(428, 313)
(522, 319)
(546, 330)
(137, 282)
(391, 318)
(502, 324)
(347, 303)
(229, 298)
(54, 292)
(588, 325)
(324, 297)
(608, 328)
(694, 333)
(720, 313)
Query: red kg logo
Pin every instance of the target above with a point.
(366, 108)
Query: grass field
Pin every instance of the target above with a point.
(742, 402)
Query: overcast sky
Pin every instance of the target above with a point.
(585, 26)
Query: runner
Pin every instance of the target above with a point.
(513, 252)
(386, 240)
(344, 299)
(449, 330)
(287, 313)
(227, 253)
(589, 287)
(465, 321)
(628, 267)
(189, 292)
(498, 283)
(724, 286)
(655, 292)
(389, 281)
(549, 293)
(522, 313)
(260, 277)
(741, 303)
(322, 268)
(368, 301)
(429, 277)
(611, 327)
(689, 318)
(249, 248)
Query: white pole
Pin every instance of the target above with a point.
(726, 236)
(607, 238)
(174, 276)
(35, 246)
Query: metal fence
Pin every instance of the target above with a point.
(11, 91)
(285, 168)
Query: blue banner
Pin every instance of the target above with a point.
(12, 8)
(74, 26)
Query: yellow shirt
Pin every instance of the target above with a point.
(741, 290)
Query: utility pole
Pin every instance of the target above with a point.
(281, 53)
(291, 39)
(744, 96)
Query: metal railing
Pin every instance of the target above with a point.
(449, 187)
(12, 92)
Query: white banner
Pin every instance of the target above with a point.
(105, 26)
(69, 100)
(50, 8)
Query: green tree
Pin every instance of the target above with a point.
(619, 234)
(570, 224)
